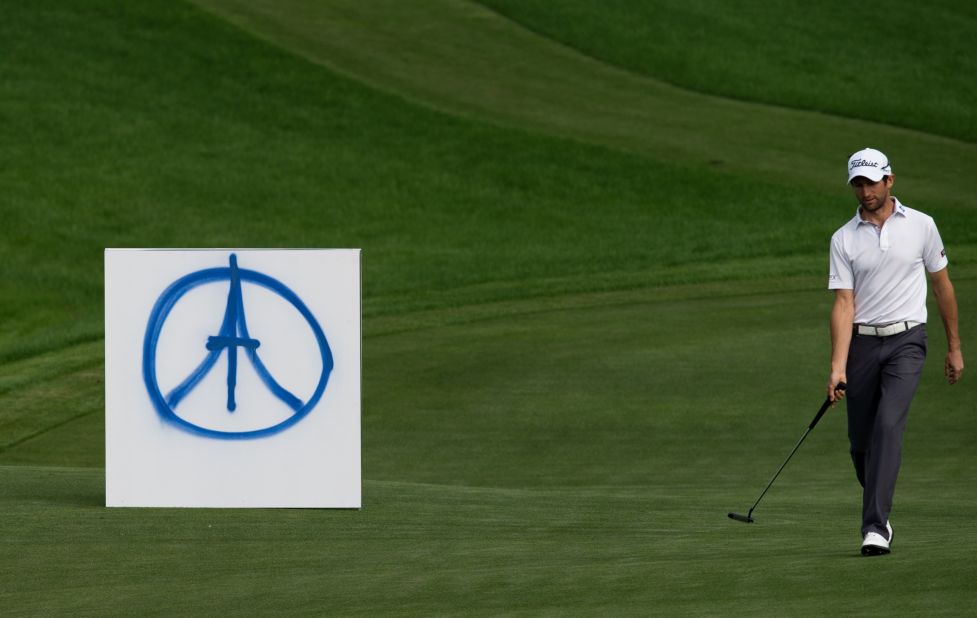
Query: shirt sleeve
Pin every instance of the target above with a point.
(934, 254)
(840, 275)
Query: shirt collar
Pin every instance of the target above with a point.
(899, 210)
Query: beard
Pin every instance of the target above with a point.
(874, 206)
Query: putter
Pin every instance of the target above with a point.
(748, 518)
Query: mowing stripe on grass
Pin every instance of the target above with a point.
(459, 56)
(788, 52)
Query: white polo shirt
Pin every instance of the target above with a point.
(885, 266)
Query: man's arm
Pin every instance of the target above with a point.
(842, 318)
(946, 301)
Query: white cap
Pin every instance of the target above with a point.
(869, 163)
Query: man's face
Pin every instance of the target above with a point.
(871, 195)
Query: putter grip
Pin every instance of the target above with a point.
(824, 406)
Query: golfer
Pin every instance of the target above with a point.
(878, 268)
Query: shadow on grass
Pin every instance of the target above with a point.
(80, 487)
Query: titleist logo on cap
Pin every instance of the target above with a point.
(863, 163)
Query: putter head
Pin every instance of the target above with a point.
(743, 518)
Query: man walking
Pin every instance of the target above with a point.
(878, 329)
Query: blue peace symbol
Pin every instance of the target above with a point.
(233, 334)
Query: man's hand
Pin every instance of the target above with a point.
(834, 393)
(953, 368)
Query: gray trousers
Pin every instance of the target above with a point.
(883, 373)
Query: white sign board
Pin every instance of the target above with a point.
(232, 378)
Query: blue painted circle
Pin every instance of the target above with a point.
(158, 316)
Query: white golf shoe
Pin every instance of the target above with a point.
(875, 544)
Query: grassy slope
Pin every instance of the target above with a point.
(909, 65)
(163, 135)
(501, 72)
(532, 444)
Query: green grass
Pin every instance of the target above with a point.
(281, 153)
(432, 549)
(906, 65)
(527, 470)
(458, 56)
(585, 338)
